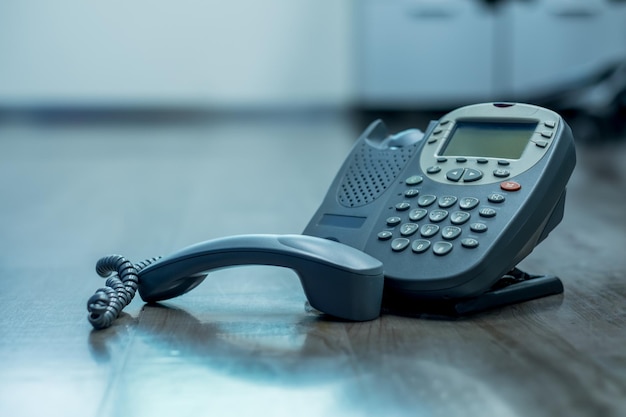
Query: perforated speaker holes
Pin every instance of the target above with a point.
(370, 172)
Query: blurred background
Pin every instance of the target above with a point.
(75, 59)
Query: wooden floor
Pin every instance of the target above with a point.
(243, 343)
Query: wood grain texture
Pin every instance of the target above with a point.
(244, 343)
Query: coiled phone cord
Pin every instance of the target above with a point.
(108, 302)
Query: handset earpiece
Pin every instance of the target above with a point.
(337, 279)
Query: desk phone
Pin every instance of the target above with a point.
(411, 220)
(450, 212)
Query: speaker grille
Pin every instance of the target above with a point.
(370, 173)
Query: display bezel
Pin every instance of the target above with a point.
(489, 139)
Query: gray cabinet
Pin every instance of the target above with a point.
(439, 53)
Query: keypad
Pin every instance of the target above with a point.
(438, 223)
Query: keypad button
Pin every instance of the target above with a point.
(437, 216)
(403, 206)
(482, 160)
(447, 201)
(468, 203)
(455, 174)
(385, 235)
(407, 229)
(420, 245)
(442, 248)
(459, 217)
(433, 169)
(442, 159)
(417, 214)
(478, 227)
(394, 220)
(450, 232)
(400, 244)
(426, 200)
(429, 230)
(414, 180)
(461, 159)
(412, 192)
(472, 175)
(469, 242)
(503, 162)
(496, 198)
(487, 212)
(501, 173)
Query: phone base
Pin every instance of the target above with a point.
(515, 287)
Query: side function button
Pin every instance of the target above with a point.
(496, 198)
(459, 217)
(429, 230)
(503, 162)
(417, 214)
(482, 160)
(385, 235)
(408, 229)
(426, 200)
(455, 174)
(450, 232)
(414, 180)
(546, 134)
(442, 248)
(487, 212)
(437, 216)
(442, 159)
(478, 227)
(420, 245)
(400, 244)
(468, 203)
(472, 175)
(469, 242)
(403, 206)
(461, 159)
(510, 186)
(393, 221)
(447, 201)
(550, 123)
(541, 143)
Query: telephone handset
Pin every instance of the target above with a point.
(447, 215)
(451, 214)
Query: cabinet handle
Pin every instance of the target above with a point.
(431, 12)
(580, 11)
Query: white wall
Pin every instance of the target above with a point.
(229, 53)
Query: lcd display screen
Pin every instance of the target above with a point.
(489, 139)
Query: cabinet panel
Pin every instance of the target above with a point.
(423, 52)
(554, 43)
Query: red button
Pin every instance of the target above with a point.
(510, 186)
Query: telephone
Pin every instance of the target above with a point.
(451, 212)
(437, 219)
